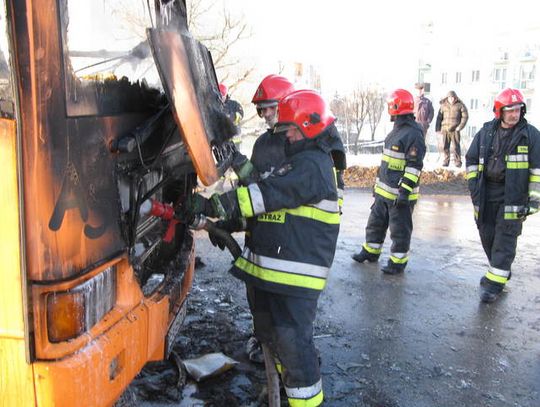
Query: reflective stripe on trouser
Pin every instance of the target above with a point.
(399, 258)
(499, 240)
(385, 215)
(373, 248)
(285, 324)
(498, 275)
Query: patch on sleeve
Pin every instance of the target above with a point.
(395, 148)
(522, 149)
(284, 169)
(413, 152)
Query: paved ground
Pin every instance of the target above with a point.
(415, 340)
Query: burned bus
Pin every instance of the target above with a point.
(104, 107)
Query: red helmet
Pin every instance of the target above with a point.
(306, 110)
(400, 102)
(271, 90)
(508, 97)
(223, 90)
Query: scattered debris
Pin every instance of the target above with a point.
(208, 365)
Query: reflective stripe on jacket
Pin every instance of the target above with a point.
(522, 173)
(402, 160)
(296, 224)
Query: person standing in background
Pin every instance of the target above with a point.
(423, 109)
(452, 118)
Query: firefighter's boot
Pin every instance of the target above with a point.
(393, 268)
(254, 350)
(489, 290)
(364, 255)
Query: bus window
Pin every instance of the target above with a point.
(108, 65)
(6, 89)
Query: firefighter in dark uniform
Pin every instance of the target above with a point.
(503, 172)
(269, 149)
(233, 109)
(267, 156)
(396, 187)
(292, 243)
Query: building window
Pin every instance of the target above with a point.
(474, 104)
(475, 76)
(444, 77)
(458, 77)
(499, 77)
(471, 131)
(526, 75)
(500, 74)
(528, 103)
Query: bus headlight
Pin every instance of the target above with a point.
(75, 311)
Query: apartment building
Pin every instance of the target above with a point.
(477, 73)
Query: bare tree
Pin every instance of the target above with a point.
(359, 111)
(340, 106)
(375, 107)
(221, 37)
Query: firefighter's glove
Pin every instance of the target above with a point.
(244, 169)
(524, 212)
(217, 241)
(199, 205)
(402, 199)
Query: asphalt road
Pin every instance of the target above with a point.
(423, 338)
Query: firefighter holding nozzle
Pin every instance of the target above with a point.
(293, 241)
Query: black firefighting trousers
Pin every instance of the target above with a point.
(385, 214)
(285, 324)
(499, 236)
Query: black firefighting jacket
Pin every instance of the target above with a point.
(268, 152)
(522, 173)
(402, 160)
(294, 236)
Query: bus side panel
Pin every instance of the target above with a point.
(16, 385)
(16, 378)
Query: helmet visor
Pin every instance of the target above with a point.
(263, 105)
(283, 127)
(512, 108)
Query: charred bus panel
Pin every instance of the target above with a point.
(116, 104)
